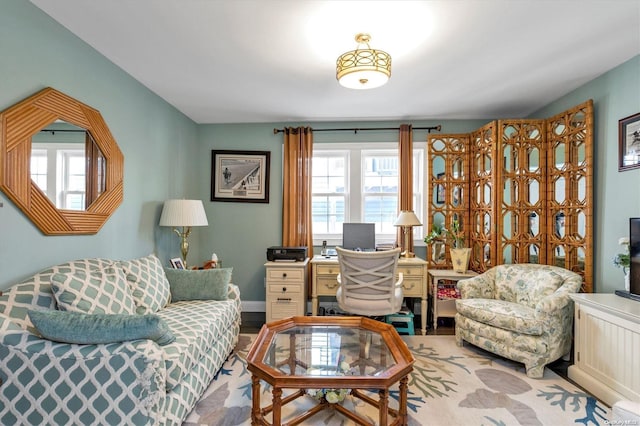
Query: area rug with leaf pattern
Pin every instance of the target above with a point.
(449, 385)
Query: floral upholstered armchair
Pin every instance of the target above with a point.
(519, 311)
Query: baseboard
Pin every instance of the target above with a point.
(253, 306)
(594, 386)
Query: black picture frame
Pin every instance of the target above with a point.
(629, 143)
(240, 176)
(440, 190)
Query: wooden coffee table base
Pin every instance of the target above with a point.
(284, 352)
(258, 414)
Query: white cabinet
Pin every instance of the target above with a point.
(286, 291)
(607, 346)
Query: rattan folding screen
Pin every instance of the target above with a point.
(522, 190)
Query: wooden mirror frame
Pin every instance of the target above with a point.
(18, 124)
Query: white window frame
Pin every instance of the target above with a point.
(353, 196)
(58, 155)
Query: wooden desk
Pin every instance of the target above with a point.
(414, 270)
(444, 307)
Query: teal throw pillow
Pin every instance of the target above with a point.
(93, 329)
(203, 284)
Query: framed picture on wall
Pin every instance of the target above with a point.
(240, 176)
(440, 190)
(629, 142)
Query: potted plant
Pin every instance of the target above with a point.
(453, 238)
(623, 260)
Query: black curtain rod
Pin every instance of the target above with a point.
(63, 130)
(356, 129)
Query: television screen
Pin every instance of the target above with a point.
(359, 236)
(634, 255)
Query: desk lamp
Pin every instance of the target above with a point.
(407, 220)
(185, 214)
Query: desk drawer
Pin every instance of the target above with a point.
(412, 286)
(327, 285)
(279, 289)
(285, 274)
(411, 271)
(327, 270)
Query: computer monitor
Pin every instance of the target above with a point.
(359, 236)
(634, 255)
(634, 264)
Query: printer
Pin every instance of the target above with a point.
(286, 254)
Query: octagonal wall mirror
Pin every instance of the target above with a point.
(60, 164)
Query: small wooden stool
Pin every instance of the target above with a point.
(403, 322)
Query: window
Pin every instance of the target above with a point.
(359, 183)
(59, 171)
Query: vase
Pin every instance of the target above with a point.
(627, 286)
(460, 259)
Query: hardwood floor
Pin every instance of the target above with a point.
(253, 321)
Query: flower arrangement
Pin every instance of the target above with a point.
(332, 395)
(622, 260)
(452, 237)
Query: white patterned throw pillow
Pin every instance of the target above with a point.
(103, 291)
(148, 283)
(35, 292)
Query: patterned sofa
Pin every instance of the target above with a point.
(134, 382)
(519, 311)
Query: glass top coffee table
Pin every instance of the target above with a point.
(326, 358)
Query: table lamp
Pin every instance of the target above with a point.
(407, 219)
(184, 214)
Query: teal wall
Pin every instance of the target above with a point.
(615, 95)
(239, 233)
(159, 144)
(168, 156)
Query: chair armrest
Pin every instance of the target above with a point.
(400, 279)
(559, 299)
(128, 374)
(554, 303)
(478, 287)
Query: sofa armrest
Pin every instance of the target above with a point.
(234, 293)
(478, 287)
(50, 382)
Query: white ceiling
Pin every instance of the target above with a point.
(230, 61)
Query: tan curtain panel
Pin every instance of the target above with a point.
(296, 200)
(405, 147)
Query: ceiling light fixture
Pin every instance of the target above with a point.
(363, 68)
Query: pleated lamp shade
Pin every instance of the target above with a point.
(183, 213)
(407, 218)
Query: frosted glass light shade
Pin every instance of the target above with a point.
(183, 213)
(363, 68)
